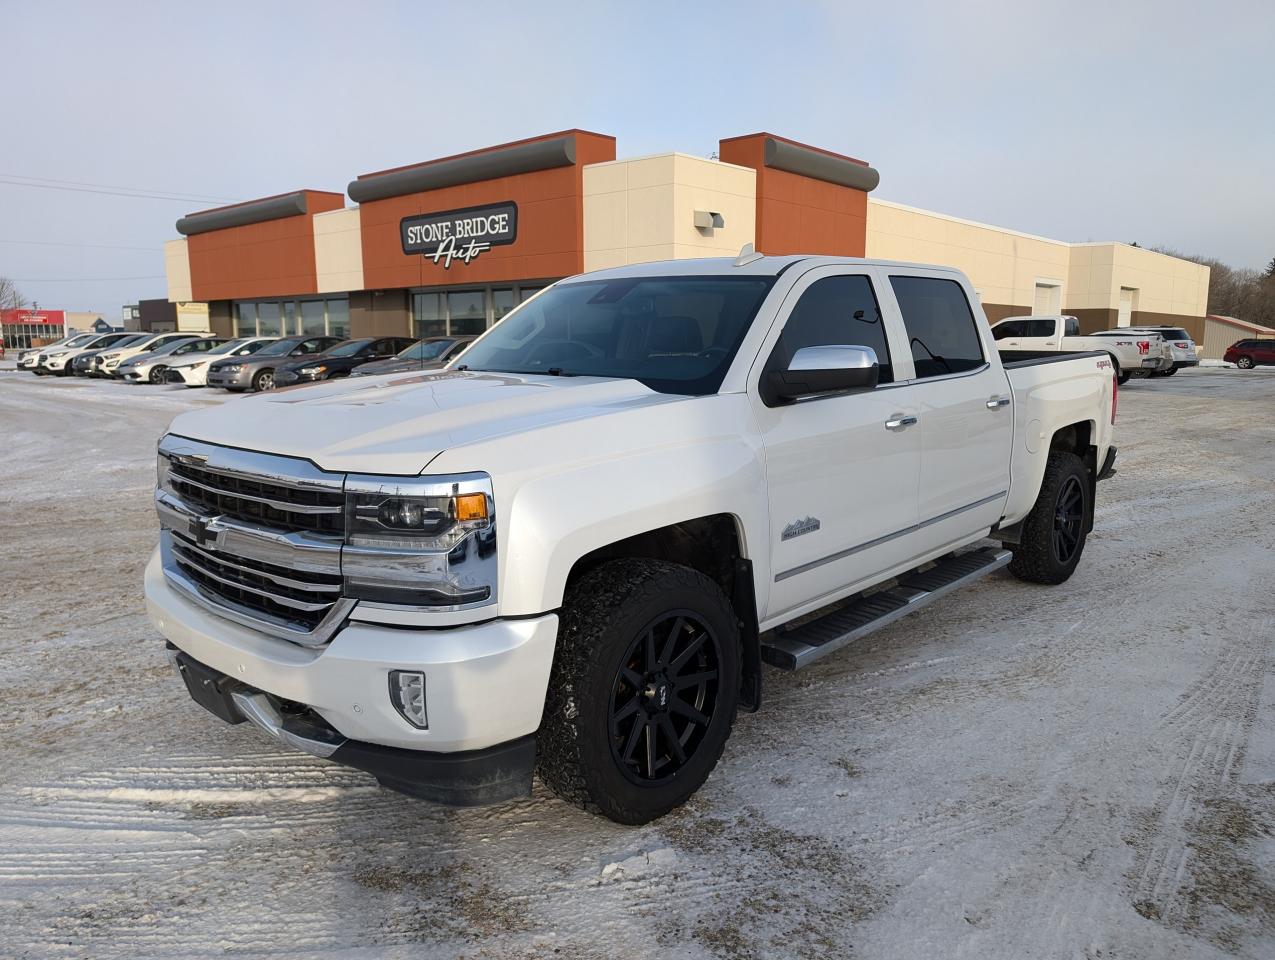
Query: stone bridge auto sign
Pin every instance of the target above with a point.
(459, 234)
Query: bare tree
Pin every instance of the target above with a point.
(1236, 292)
(10, 296)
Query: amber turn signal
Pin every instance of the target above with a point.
(471, 506)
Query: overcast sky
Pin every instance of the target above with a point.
(1149, 122)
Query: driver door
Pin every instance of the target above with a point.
(842, 470)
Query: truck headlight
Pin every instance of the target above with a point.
(421, 541)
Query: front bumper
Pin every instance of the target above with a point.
(463, 778)
(485, 683)
(239, 380)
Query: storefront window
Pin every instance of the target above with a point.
(467, 311)
(526, 293)
(290, 317)
(502, 301)
(245, 320)
(428, 319)
(269, 320)
(312, 321)
(339, 317)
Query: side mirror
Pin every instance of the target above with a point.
(822, 370)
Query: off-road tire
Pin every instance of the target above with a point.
(1244, 363)
(260, 380)
(1035, 560)
(602, 615)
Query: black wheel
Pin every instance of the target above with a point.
(643, 690)
(158, 374)
(1053, 536)
(1244, 363)
(1170, 372)
(264, 380)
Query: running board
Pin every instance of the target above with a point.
(803, 645)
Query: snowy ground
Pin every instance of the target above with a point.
(1084, 771)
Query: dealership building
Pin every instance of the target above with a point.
(451, 245)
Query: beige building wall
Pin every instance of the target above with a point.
(1160, 284)
(338, 251)
(192, 317)
(1004, 265)
(177, 269)
(640, 210)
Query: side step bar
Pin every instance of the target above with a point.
(803, 645)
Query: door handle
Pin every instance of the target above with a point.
(899, 422)
(995, 403)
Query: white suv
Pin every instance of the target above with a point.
(1180, 344)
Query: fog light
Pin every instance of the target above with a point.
(407, 693)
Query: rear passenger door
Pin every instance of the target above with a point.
(964, 407)
(1039, 333)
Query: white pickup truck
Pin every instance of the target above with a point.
(573, 549)
(1137, 354)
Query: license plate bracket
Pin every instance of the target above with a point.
(209, 688)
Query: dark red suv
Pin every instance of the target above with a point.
(1247, 354)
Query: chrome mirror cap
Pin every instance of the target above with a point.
(833, 357)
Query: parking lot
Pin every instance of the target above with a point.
(1081, 771)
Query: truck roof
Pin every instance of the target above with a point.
(762, 266)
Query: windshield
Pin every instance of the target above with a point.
(223, 348)
(347, 349)
(673, 334)
(129, 341)
(425, 350)
(277, 349)
(79, 341)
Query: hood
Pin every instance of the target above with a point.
(190, 360)
(398, 425)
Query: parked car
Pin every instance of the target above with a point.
(28, 359)
(428, 354)
(192, 369)
(59, 361)
(576, 548)
(107, 364)
(1181, 347)
(257, 371)
(340, 360)
(1133, 356)
(152, 366)
(1247, 354)
(82, 365)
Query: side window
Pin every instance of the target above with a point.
(1039, 328)
(309, 346)
(1010, 328)
(836, 310)
(1073, 328)
(940, 325)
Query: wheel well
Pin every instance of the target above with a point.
(711, 545)
(707, 544)
(1077, 438)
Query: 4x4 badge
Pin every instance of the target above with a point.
(798, 527)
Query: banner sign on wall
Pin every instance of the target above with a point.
(460, 235)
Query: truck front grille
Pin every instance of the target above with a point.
(259, 501)
(293, 596)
